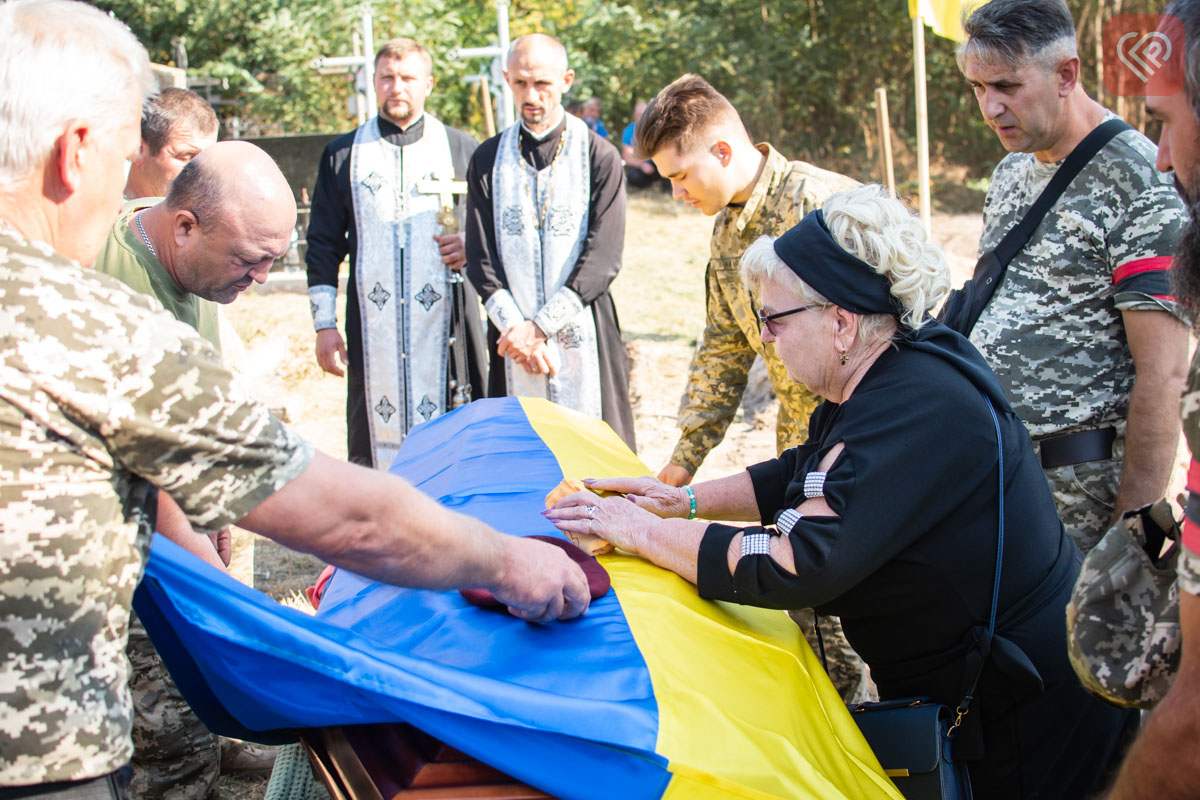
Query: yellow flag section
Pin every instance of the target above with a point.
(944, 16)
(774, 729)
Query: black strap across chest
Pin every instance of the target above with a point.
(965, 305)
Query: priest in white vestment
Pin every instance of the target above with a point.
(401, 319)
(545, 230)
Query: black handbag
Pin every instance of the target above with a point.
(963, 307)
(913, 737)
(912, 740)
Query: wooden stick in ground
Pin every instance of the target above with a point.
(485, 94)
(923, 183)
(885, 139)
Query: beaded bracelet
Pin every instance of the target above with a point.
(692, 500)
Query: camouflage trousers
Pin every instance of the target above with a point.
(1086, 495)
(175, 757)
(847, 670)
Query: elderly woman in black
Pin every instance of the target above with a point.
(888, 515)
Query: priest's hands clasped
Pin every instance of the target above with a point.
(525, 344)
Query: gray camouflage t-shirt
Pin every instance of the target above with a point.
(1053, 331)
(103, 397)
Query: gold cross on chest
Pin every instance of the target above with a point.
(445, 189)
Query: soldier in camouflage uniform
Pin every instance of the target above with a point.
(696, 139)
(1162, 762)
(1083, 331)
(105, 397)
(161, 250)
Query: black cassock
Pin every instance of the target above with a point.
(332, 235)
(598, 264)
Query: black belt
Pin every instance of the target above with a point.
(1077, 447)
(117, 783)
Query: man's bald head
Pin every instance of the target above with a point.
(232, 178)
(539, 47)
(538, 75)
(234, 214)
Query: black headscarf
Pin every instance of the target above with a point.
(848, 282)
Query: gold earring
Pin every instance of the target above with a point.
(843, 356)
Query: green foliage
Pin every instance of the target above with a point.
(801, 72)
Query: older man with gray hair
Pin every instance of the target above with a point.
(1082, 330)
(107, 399)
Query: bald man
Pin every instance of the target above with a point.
(545, 230)
(226, 217)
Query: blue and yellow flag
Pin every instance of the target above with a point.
(654, 693)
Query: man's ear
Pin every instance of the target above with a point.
(1067, 73)
(72, 151)
(142, 152)
(568, 80)
(722, 151)
(184, 227)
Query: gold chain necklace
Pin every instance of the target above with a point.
(540, 217)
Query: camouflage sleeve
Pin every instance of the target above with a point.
(716, 381)
(1189, 571)
(190, 429)
(1140, 247)
(158, 398)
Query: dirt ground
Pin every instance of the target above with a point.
(660, 298)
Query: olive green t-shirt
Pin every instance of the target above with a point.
(126, 258)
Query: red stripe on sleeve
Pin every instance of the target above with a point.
(1141, 265)
(1191, 535)
(1191, 531)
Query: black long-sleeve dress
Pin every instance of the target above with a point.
(908, 564)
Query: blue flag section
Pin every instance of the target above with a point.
(653, 693)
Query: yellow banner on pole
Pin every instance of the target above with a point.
(944, 16)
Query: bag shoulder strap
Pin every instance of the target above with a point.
(1019, 235)
(993, 265)
(964, 705)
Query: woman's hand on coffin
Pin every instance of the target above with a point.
(614, 519)
(540, 582)
(646, 492)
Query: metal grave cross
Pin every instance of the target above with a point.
(445, 189)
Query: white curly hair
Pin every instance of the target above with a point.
(877, 229)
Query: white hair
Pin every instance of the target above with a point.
(878, 230)
(62, 60)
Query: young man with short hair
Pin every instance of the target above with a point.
(697, 140)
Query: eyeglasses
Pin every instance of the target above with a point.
(766, 319)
